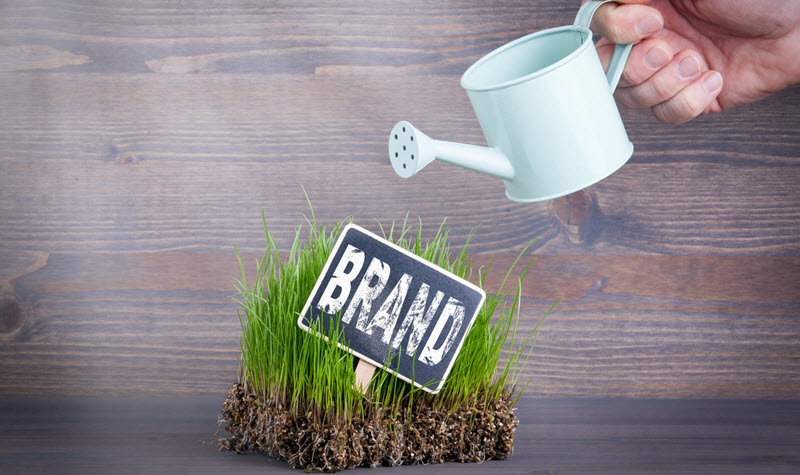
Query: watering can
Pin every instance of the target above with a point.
(547, 111)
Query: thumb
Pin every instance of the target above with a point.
(628, 23)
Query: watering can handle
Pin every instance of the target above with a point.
(621, 52)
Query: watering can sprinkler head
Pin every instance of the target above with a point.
(410, 150)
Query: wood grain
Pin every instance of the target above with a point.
(139, 142)
(162, 323)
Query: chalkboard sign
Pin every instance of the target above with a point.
(393, 306)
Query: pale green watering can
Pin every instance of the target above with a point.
(547, 111)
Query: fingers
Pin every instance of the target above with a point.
(684, 68)
(677, 92)
(696, 98)
(646, 58)
(675, 83)
(625, 24)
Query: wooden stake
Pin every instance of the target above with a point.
(364, 372)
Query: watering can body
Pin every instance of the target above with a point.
(546, 108)
(559, 126)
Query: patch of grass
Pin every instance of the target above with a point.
(311, 377)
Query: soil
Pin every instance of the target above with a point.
(423, 436)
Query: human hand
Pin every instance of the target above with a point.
(693, 57)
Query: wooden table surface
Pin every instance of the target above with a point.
(140, 140)
(179, 435)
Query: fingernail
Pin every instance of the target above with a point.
(712, 82)
(648, 25)
(688, 67)
(656, 58)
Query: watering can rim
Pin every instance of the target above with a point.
(587, 38)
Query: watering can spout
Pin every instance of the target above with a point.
(410, 150)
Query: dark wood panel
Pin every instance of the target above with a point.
(178, 435)
(647, 325)
(159, 162)
(266, 37)
(162, 206)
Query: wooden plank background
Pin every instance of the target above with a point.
(140, 140)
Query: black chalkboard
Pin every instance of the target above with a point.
(394, 307)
